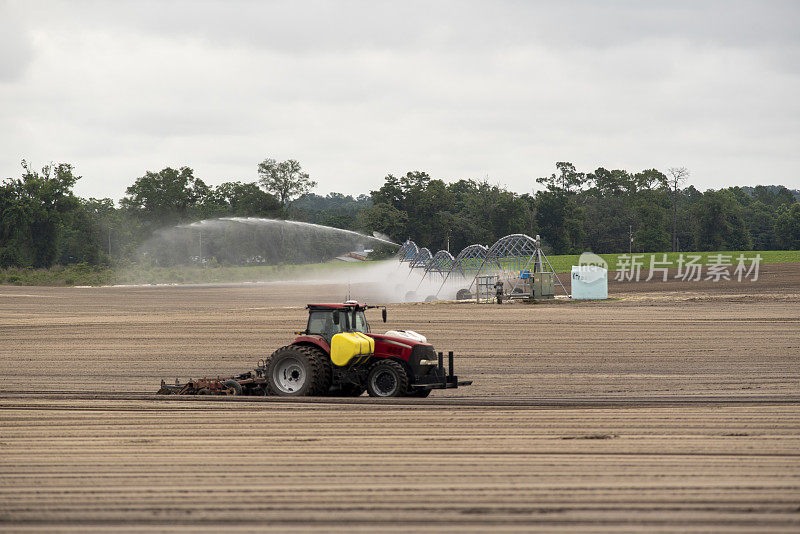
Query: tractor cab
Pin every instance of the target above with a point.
(327, 320)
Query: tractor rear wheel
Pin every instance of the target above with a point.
(387, 378)
(297, 371)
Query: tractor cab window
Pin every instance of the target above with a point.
(361, 324)
(321, 323)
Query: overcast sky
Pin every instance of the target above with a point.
(358, 90)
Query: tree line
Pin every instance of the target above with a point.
(42, 221)
(603, 211)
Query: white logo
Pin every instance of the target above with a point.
(591, 267)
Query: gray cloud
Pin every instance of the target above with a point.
(356, 90)
(298, 27)
(16, 52)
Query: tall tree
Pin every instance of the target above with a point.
(286, 180)
(677, 177)
(613, 183)
(32, 211)
(651, 179)
(165, 197)
(568, 180)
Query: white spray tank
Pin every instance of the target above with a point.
(408, 334)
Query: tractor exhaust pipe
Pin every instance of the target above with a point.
(450, 363)
(441, 370)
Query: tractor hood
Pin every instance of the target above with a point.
(403, 337)
(408, 334)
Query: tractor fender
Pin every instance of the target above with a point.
(314, 341)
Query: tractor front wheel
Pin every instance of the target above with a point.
(387, 378)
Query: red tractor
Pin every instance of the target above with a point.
(338, 355)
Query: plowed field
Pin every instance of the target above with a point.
(674, 408)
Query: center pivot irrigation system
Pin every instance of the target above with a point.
(514, 260)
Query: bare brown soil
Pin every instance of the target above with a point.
(676, 407)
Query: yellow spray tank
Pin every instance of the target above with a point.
(349, 346)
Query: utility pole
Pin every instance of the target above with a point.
(630, 242)
(109, 241)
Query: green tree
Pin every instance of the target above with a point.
(333, 209)
(760, 221)
(560, 221)
(787, 227)
(773, 195)
(386, 219)
(438, 214)
(613, 183)
(419, 198)
(651, 179)
(245, 199)
(286, 180)
(608, 220)
(688, 203)
(489, 212)
(567, 180)
(167, 197)
(32, 210)
(117, 234)
(558, 216)
(652, 211)
(720, 225)
(81, 235)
